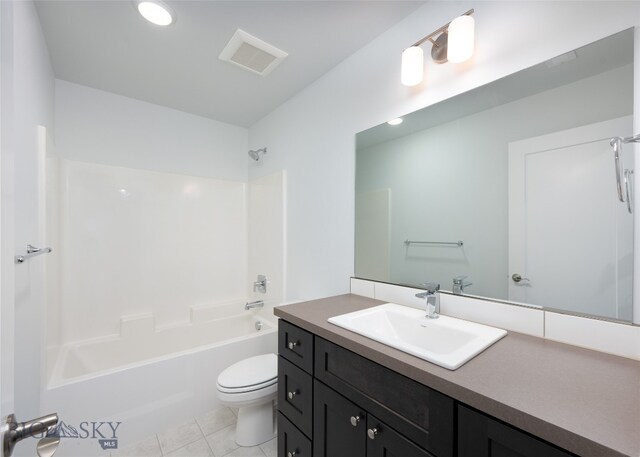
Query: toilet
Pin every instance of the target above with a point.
(251, 385)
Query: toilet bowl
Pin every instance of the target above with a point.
(251, 386)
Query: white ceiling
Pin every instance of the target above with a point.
(108, 45)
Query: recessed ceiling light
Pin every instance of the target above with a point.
(396, 121)
(156, 12)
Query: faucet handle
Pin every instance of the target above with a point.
(431, 287)
(460, 281)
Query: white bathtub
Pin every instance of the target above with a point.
(149, 380)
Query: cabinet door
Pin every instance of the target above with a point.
(291, 441)
(482, 436)
(339, 426)
(385, 442)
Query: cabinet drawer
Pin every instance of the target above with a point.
(291, 440)
(295, 395)
(296, 345)
(425, 416)
(483, 436)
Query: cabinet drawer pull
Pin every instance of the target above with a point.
(372, 433)
(292, 453)
(355, 420)
(293, 344)
(292, 394)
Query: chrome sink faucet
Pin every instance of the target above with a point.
(459, 284)
(433, 299)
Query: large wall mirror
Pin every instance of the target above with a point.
(511, 188)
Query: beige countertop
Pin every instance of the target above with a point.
(584, 401)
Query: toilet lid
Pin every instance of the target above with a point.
(250, 372)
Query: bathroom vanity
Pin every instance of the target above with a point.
(341, 394)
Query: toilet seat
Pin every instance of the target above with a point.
(249, 375)
(239, 390)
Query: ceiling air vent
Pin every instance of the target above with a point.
(251, 53)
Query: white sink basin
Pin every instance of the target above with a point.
(445, 341)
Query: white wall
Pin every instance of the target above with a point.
(32, 93)
(469, 181)
(101, 127)
(312, 135)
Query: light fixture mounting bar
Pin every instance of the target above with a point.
(440, 30)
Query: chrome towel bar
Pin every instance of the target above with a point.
(441, 243)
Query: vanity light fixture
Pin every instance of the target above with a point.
(396, 121)
(156, 11)
(453, 42)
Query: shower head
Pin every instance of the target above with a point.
(255, 155)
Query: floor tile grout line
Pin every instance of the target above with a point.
(205, 437)
(159, 445)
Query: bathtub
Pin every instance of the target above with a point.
(149, 379)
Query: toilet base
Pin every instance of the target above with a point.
(255, 424)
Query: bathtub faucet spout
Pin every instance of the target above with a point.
(254, 304)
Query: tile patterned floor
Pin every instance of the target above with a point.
(209, 435)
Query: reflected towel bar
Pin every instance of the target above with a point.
(442, 243)
(32, 251)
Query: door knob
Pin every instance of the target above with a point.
(292, 344)
(355, 420)
(292, 453)
(292, 394)
(20, 430)
(372, 433)
(517, 277)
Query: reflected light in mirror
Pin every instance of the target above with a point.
(412, 66)
(461, 39)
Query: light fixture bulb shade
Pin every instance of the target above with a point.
(412, 66)
(461, 39)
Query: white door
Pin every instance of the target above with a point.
(373, 227)
(22, 153)
(6, 223)
(570, 238)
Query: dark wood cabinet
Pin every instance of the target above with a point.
(295, 395)
(339, 426)
(296, 345)
(291, 441)
(383, 441)
(424, 416)
(343, 429)
(335, 403)
(482, 436)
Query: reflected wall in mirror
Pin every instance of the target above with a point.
(511, 188)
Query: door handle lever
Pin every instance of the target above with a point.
(21, 430)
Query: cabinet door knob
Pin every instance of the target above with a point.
(355, 420)
(292, 344)
(292, 453)
(292, 394)
(372, 433)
